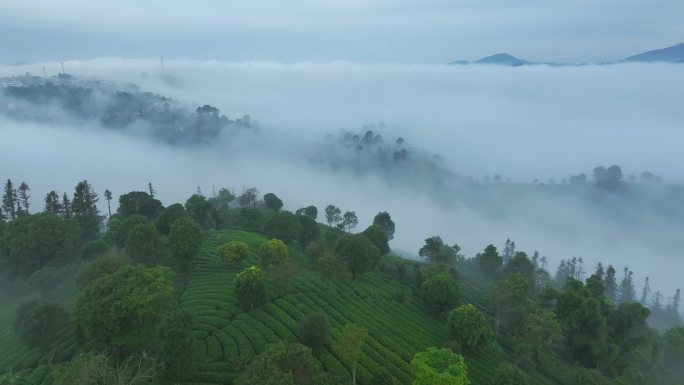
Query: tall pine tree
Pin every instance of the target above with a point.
(108, 197)
(9, 200)
(627, 287)
(52, 204)
(84, 210)
(23, 201)
(610, 283)
(66, 206)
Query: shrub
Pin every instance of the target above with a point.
(284, 225)
(234, 251)
(440, 292)
(103, 265)
(469, 327)
(508, 374)
(250, 287)
(39, 324)
(273, 252)
(314, 330)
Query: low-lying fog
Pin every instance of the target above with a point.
(526, 123)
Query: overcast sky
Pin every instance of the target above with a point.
(412, 31)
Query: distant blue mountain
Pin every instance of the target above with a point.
(502, 59)
(674, 54)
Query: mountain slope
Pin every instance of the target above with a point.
(502, 59)
(673, 54)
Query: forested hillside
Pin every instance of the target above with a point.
(233, 289)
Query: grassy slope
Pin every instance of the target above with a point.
(228, 337)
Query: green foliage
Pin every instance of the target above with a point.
(32, 242)
(84, 210)
(314, 330)
(168, 216)
(138, 202)
(349, 220)
(123, 308)
(315, 250)
(103, 369)
(542, 329)
(45, 279)
(384, 377)
(309, 211)
(284, 225)
(144, 244)
(273, 253)
(101, 266)
(332, 267)
(469, 327)
(509, 299)
(384, 220)
(176, 344)
(271, 201)
(436, 251)
(582, 376)
(118, 229)
(233, 251)
(358, 252)
(490, 260)
(93, 249)
(310, 230)
(378, 237)
(251, 219)
(39, 324)
(282, 364)
(185, 241)
(519, 264)
(201, 211)
(439, 367)
(250, 287)
(333, 215)
(440, 293)
(509, 374)
(349, 345)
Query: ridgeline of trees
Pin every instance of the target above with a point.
(574, 328)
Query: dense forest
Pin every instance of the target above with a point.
(233, 289)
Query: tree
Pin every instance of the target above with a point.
(249, 197)
(250, 287)
(332, 267)
(185, 241)
(315, 250)
(100, 267)
(314, 330)
(284, 225)
(349, 220)
(24, 196)
(40, 324)
(66, 206)
(310, 230)
(9, 200)
(358, 252)
(168, 216)
(509, 298)
(520, 264)
(151, 189)
(45, 279)
(439, 292)
(384, 220)
(309, 211)
(284, 363)
(610, 283)
(378, 237)
(139, 202)
(144, 244)
(118, 229)
(543, 329)
(36, 241)
(349, 345)
(107, 369)
(233, 251)
(509, 374)
(436, 251)
(84, 210)
(200, 210)
(177, 342)
(469, 327)
(108, 196)
(439, 367)
(271, 201)
(273, 253)
(627, 293)
(52, 204)
(125, 307)
(490, 260)
(222, 200)
(333, 215)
